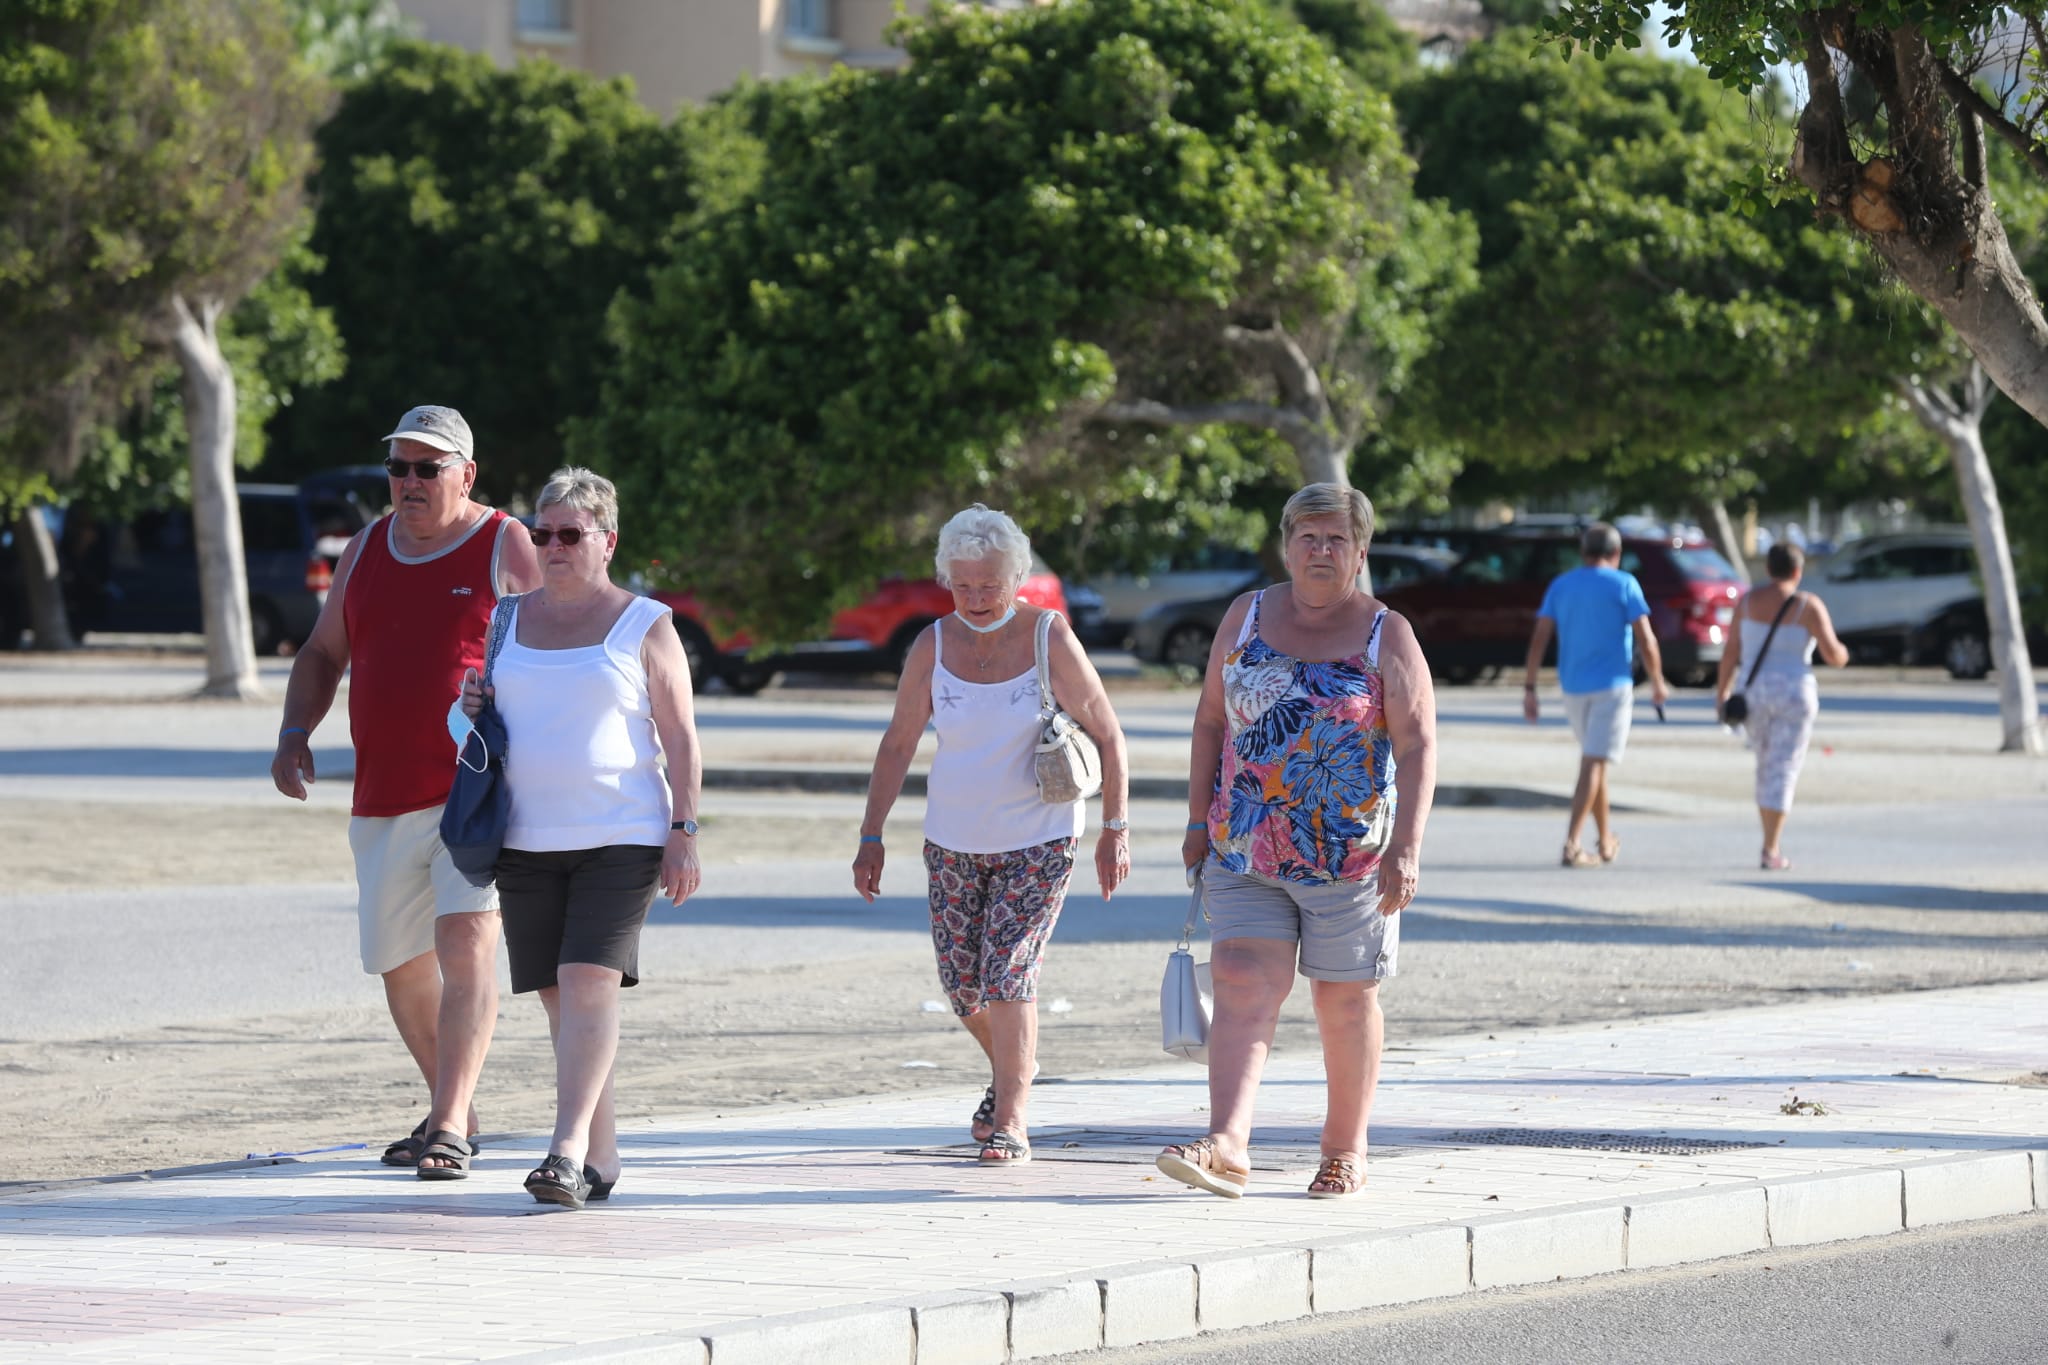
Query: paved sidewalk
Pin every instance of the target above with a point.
(827, 1234)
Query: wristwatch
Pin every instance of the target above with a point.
(688, 827)
(1117, 824)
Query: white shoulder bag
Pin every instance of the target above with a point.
(1068, 764)
(1185, 995)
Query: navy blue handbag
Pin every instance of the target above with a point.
(480, 803)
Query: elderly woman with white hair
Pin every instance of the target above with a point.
(604, 770)
(1316, 696)
(997, 857)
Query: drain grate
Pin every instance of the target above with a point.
(1138, 1147)
(1641, 1144)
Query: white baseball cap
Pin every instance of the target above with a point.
(441, 428)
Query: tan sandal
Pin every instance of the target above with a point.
(1199, 1164)
(1339, 1177)
(1574, 856)
(1610, 848)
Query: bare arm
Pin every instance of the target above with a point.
(892, 761)
(675, 721)
(316, 677)
(1821, 626)
(1409, 697)
(1653, 660)
(518, 561)
(1077, 687)
(1532, 663)
(1731, 659)
(1211, 733)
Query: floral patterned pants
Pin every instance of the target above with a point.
(1781, 712)
(991, 916)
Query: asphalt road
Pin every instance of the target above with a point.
(1975, 1293)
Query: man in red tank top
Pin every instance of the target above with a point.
(407, 614)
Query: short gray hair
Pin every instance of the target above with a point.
(1328, 500)
(1600, 541)
(579, 489)
(983, 533)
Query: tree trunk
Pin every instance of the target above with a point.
(41, 582)
(216, 516)
(1324, 458)
(1723, 531)
(1960, 426)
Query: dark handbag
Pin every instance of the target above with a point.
(1735, 710)
(480, 803)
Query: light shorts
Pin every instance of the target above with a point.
(1342, 933)
(1600, 720)
(404, 882)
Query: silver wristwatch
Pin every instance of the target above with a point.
(1117, 824)
(688, 827)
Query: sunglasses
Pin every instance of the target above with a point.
(570, 535)
(425, 469)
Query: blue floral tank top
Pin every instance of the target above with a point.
(1305, 792)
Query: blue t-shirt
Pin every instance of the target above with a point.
(1594, 608)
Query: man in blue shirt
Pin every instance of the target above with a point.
(1596, 611)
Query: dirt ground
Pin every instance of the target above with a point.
(718, 1041)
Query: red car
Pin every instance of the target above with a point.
(1476, 619)
(872, 637)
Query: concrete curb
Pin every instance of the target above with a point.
(1169, 1299)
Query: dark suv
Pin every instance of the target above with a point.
(143, 575)
(1476, 620)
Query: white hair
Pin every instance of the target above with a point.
(582, 491)
(982, 533)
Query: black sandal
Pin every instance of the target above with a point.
(599, 1189)
(1009, 1149)
(406, 1151)
(443, 1145)
(984, 1113)
(558, 1180)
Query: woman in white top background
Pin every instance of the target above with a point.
(1784, 698)
(997, 858)
(595, 693)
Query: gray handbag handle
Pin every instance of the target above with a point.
(1187, 931)
(1046, 706)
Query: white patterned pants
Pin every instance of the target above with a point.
(1781, 711)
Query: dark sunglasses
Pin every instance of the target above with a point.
(425, 469)
(570, 535)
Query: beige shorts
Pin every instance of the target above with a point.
(404, 882)
(1600, 720)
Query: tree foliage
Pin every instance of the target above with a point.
(476, 223)
(949, 272)
(1661, 341)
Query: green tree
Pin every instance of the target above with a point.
(1890, 143)
(476, 223)
(1663, 344)
(990, 275)
(151, 160)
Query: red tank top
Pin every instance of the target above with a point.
(413, 627)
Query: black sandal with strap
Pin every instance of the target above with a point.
(1009, 1149)
(599, 1189)
(406, 1151)
(558, 1180)
(443, 1145)
(984, 1113)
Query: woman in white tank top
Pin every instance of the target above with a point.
(1774, 672)
(997, 858)
(595, 692)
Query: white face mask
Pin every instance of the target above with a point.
(997, 624)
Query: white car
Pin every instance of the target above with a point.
(1882, 590)
(1203, 571)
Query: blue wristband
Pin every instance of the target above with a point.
(294, 730)
(1194, 825)
(871, 838)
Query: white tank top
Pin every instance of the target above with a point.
(582, 757)
(1791, 649)
(982, 795)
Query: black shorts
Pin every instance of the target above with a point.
(585, 905)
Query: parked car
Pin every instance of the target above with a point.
(142, 575)
(1476, 619)
(1959, 638)
(1887, 593)
(1178, 634)
(1200, 572)
(872, 637)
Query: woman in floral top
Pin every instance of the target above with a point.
(1316, 696)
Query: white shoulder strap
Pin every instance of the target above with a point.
(1039, 649)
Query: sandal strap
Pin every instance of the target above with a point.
(985, 1112)
(1203, 1152)
(1006, 1142)
(558, 1170)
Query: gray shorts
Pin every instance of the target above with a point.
(1600, 720)
(1343, 935)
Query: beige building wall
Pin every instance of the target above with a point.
(676, 51)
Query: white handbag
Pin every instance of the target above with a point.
(1185, 995)
(1068, 764)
